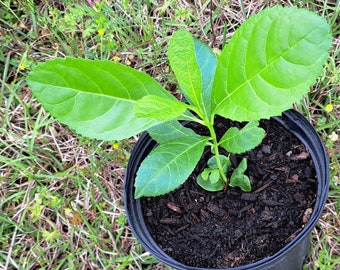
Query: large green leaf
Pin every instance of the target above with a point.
(152, 106)
(169, 130)
(96, 98)
(182, 58)
(168, 166)
(241, 140)
(269, 63)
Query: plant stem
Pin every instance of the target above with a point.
(210, 125)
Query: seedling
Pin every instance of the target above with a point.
(270, 62)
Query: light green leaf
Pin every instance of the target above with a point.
(94, 97)
(225, 161)
(214, 176)
(239, 179)
(169, 130)
(213, 182)
(210, 179)
(168, 166)
(238, 141)
(207, 63)
(270, 63)
(156, 107)
(182, 58)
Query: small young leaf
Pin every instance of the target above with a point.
(156, 107)
(210, 179)
(168, 166)
(239, 179)
(214, 176)
(205, 174)
(270, 63)
(216, 185)
(225, 161)
(168, 131)
(94, 97)
(239, 141)
(182, 58)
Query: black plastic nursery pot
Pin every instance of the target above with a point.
(290, 257)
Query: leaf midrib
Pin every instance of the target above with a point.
(202, 139)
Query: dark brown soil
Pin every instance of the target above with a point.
(233, 228)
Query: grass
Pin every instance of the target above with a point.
(61, 196)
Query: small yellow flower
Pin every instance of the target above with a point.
(329, 107)
(22, 67)
(101, 31)
(115, 146)
(115, 58)
(68, 211)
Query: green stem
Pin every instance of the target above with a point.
(210, 125)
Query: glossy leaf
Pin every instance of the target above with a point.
(239, 179)
(182, 58)
(269, 63)
(207, 63)
(169, 130)
(156, 107)
(238, 141)
(168, 166)
(96, 98)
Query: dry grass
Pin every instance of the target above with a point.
(61, 196)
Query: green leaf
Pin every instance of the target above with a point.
(169, 130)
(269, 63)
(213, 183)
(225, 161)
(207, 63)
(168, 166)
(210, 179)
(239, 179)
(156, 107)
(241, 140)
(94, 97)
(182, 58)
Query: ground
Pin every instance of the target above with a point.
(61, 195)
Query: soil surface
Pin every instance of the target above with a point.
(232, 228)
